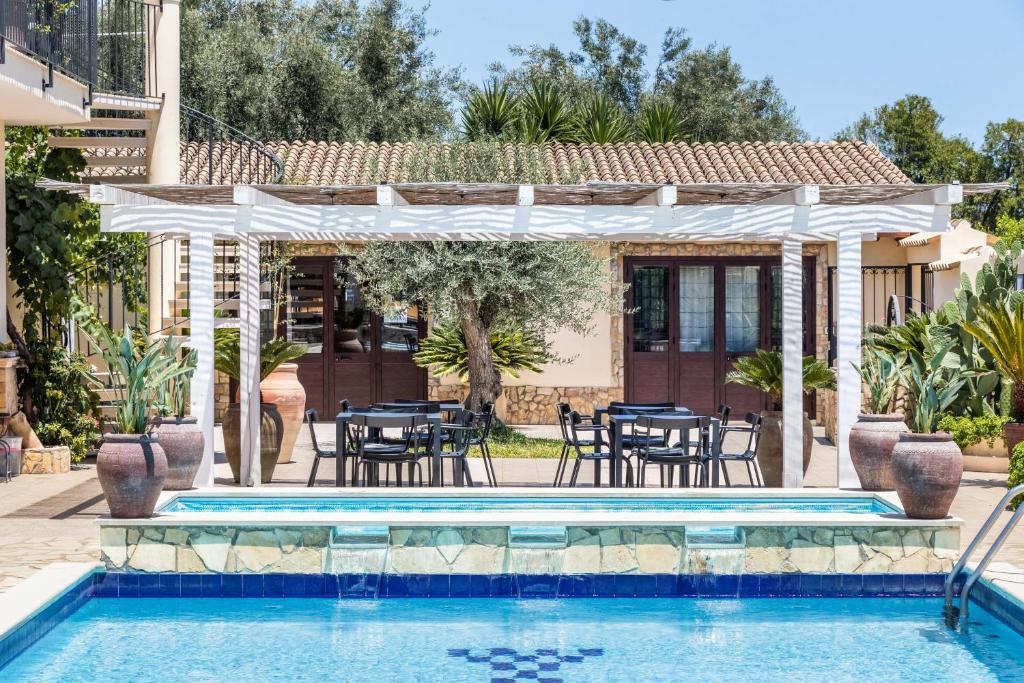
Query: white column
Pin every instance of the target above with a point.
(249, 351)
(792, 364)
(849, 327)
(201, 310)
(3, 241)
(164, 63)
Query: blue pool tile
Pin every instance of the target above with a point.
(892, 584)
(686, 586)
(913, 584)
(127, 585)
(149, 585)
(789, 585)
(536, 585)
(727, 586)
(583, 585)
(853, 585)
(565, 586)
(211, 585)
(417, 585)
(273, 585)
(191, 585)
(604, 585)
(395, 586)
(770, 585)
(646, 585)
(666, 585)
(831, 585)
(706, 585)
(749, 586)
(231, 585)
(106, 585)
(438, 585)
(170, 585)
(873, 585)
(331, 584)
(480, 586)
(810, 585)
(934, 584)
(460, 585)
(501, 586)
(313, 585)
(294, 585)
(625, 585)
(252, 585)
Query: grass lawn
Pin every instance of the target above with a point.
(508, 443)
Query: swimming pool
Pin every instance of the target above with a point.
(533, 503)
(511, 640)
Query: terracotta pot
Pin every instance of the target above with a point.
(927, 469)
(183, 443)
(1013, 434)
(271, 431)
(131, 469)
(282, 388)
(871, 442)
(769, 447)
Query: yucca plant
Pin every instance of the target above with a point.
(763, 371)
(273, 354)
(543, 114)
(514, 351)
(660, 121)
(140, 369)
(1000, 329)
(882, 373)
(490, 113)
(598, 120)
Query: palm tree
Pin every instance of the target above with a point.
(598, 120)
(490, 113)
(660, 121)
(763, 371)
(1000, 329)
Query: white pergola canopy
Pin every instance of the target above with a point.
(787, 213)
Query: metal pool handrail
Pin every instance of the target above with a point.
(958, 616)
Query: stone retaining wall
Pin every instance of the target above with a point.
(486, 550)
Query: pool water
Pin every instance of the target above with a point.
(507, 640)
(521, 504)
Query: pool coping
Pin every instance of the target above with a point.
(526, 518)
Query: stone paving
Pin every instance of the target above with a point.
(50, 518)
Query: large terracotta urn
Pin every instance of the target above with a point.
(131, 469)
(872, 439)
(183, 443)
(927, 469)
(271, 432)
(1013, 434)
(282, 388)
(769, 447)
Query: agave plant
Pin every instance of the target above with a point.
(931, 389)
(273, 354)
(598, 120)
(882, 373)
(660, 121)
(514, 351)
(175, 394)
(763, 371)
(140, 369)
(490, 113)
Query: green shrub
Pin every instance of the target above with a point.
(968, 431)
(1016, 475)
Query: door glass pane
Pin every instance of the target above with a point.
(650, 301)
(696, 308)
(400, 327)
(352, 333)
(777, 305)
(304, 319)
(742, 309)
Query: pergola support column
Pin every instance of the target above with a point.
(792, 364)
(848, 335)
(201, 295)
(249, 361)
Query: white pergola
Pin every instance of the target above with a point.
(790, 214)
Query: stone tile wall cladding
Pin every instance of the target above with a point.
(486, 550)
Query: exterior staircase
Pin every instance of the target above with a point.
(116, 142)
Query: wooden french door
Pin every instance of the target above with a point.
(354, 353)
(690, 320)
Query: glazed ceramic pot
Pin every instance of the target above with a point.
(927, 469)
(183, 443)
(271, 431)
(131, 469)
(282, 388)
(769, 447)
(872, 439)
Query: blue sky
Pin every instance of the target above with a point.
(832, 59)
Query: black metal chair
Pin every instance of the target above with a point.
(319, 450)
(562, 414)
(483, 423)
(576, 426)
(460, 440)
(752, 430)
(630, 440)
(373, 450)
(657, 446)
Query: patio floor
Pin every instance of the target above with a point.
(50, 518)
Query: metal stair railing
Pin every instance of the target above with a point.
(957, 616)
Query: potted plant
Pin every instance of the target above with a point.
(8, 350)
(876, 432)
(180, 436)
(763, 371)
(273, 354)
(999, 328)
(131, 465)
(927, 465)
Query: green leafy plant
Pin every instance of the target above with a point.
(490, 113)
(1016, 473)
(968, 431)
(140, 369)
(175, 394)
(931, 388)
(273, 354)
(660, 121)
(763, 371)
(513, 351)
(598, 120)
(881, 372)
(1000, 329)
(544, 114)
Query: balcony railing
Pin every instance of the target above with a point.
(103, 43)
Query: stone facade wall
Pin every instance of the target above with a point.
(487, 550)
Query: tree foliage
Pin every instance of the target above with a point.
(763, 371)
(514, 351)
